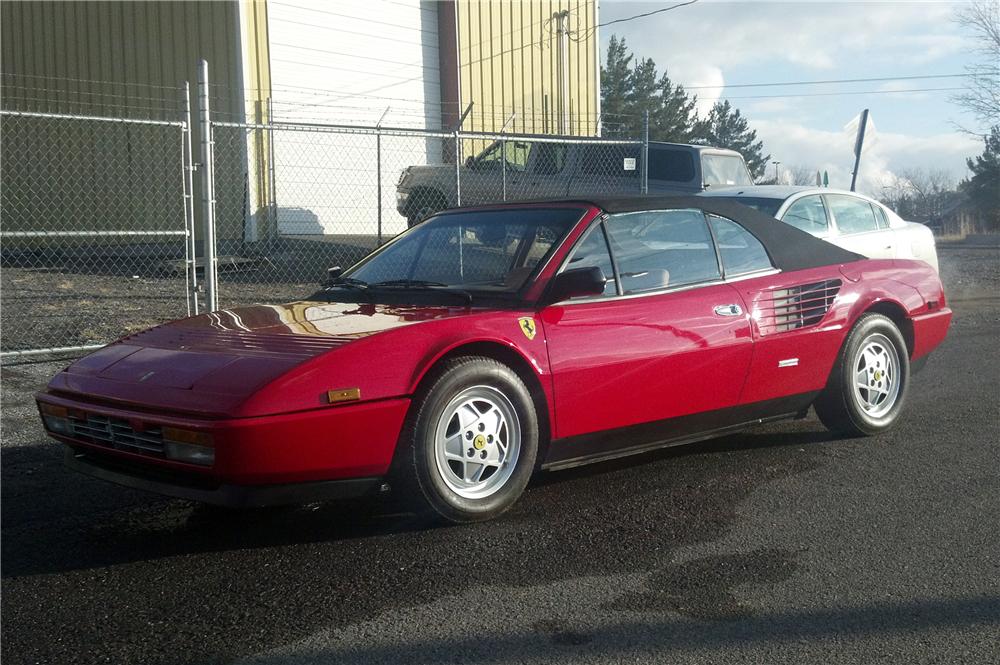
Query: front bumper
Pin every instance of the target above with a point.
(193, 488)
(258, 461)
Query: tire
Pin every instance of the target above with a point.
(876, 353)
(428, 202)
(470, 443)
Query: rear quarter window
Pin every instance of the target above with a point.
(672, 165)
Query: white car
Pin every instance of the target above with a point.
(848, 219)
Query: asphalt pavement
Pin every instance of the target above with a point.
(780, 545)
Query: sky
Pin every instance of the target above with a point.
(712, 47)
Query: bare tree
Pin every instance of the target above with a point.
(918, 194)
(797, 174)
(982, 83)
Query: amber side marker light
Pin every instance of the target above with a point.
(344, 395)
(55, 418)
(185, 445)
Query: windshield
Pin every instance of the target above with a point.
(724, 170)
(766, 206)
(494, 251)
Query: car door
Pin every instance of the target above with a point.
(547, 172)
(668, 338)
(857, 227)
(482, 180)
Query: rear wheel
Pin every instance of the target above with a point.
(471, 441)
(867, 387)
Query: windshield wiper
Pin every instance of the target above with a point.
(422, 285)
(399, 283)
(348, 282)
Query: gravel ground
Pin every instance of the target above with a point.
(779, 545)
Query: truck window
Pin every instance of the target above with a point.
(673, 165)
(724, 170)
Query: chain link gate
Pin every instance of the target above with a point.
(97, 235)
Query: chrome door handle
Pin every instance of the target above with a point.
(728, 310)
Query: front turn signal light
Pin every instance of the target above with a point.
(185, 445)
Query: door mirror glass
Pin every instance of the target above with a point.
(577, 283)
(333, 273)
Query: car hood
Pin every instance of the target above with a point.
(211, 363)
(420, 174)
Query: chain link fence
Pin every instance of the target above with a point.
(96, 235)
(100, 213)
(293, 200)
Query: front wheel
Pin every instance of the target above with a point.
(867, 387)
(471, 443)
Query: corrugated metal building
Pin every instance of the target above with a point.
(331, 62)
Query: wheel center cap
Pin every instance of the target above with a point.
(878, 375)
(479, 442)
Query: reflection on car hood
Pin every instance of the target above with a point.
(298, 328)
(230, 353)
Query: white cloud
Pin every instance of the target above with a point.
(833, 151)
(820, 36)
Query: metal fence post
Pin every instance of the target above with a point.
(503, 155)
(458, 171)
(190, 248)
(644, 184)
(378, 170)
(272, 181)
(208, 187)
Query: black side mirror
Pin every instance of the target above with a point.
(333, 273)
(470, 161)
(576, 283)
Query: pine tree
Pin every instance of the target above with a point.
(628, 92)
(983, 186)
(615, 82)
(727, 128)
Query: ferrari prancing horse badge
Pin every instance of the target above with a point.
(527, 326)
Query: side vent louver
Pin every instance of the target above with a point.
(796, 307)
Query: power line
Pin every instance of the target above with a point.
(854, 92)
(657, 11)
(589, 31)
(828, 81)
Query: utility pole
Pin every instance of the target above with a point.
(859, 144)
(776, 172)
(562, 61)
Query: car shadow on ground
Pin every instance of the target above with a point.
(56, 520)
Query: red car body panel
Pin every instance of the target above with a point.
(257, 378)
(617, 363)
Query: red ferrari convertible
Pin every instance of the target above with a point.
(485, 344)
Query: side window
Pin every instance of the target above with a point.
(593, 251)
(664, 248)
(673, 165)
(620, 161)
(852, 215)
(808, 214)
(550, 158)
(880, 216)
(517, 155)
(740, 250)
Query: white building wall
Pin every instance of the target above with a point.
(346, 62)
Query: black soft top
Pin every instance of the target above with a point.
(790, 248)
